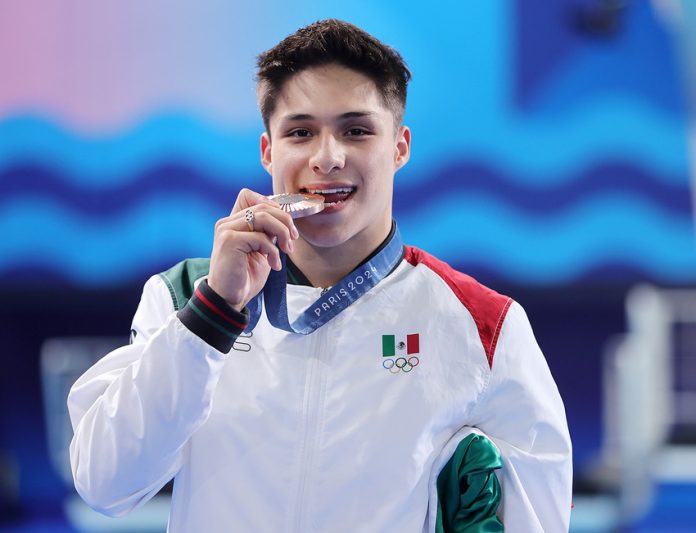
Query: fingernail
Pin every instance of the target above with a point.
(293, 232)
(291, 247)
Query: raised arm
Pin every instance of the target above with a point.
(134, 412)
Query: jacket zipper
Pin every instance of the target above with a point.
(311, 417)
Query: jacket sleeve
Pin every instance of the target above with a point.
(134, 411)
(468, 491)
(521, 411)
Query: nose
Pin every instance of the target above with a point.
(328, 156)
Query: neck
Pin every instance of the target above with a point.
(326, 266)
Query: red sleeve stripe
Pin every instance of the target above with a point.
(217, 311)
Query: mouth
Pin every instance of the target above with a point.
(332, 196)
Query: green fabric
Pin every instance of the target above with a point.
(388, 346)
(468, 490)
(180, 279)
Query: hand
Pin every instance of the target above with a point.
(242, 259)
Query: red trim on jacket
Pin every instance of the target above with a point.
(486, 306)
(215, 309)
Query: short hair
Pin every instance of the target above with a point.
(332, 41)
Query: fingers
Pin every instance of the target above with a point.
(242, 254)
(232, 238)
(274, 222)
(247, 198)
(278, 226)
(233, 235)
(262, 244)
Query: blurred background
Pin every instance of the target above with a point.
(554, 136)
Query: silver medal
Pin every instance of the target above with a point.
(299, 204)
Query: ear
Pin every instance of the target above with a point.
(265, 145)
(402, 148)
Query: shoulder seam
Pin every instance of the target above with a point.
(172, 292)
(180, 279)
(496, 333)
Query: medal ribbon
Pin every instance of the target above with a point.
(333, 301)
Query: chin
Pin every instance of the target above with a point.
(322, 235)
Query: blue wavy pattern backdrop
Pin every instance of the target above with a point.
(574, 168)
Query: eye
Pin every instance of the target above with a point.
(357, 132)
(300, 132)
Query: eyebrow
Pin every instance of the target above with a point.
(342, 116)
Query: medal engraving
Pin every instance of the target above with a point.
(299, 205)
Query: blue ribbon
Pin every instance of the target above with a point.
(333, 301)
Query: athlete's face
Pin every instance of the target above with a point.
(332, 134)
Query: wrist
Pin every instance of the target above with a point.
(233, 303)
(212, 319)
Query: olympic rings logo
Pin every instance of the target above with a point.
(401, 364)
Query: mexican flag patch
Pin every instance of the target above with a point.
(390, 344)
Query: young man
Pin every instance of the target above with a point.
(355, 413)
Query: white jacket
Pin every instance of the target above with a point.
(312, 433)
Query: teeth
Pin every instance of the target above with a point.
(330, 191)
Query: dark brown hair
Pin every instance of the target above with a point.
(332, 41)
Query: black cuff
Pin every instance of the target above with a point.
(209, 316)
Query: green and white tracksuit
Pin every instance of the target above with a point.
(319, 432)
